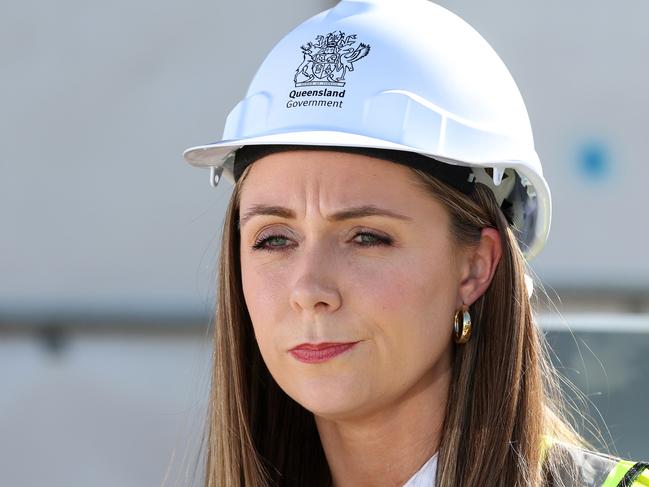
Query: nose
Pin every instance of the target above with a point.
(315, 289)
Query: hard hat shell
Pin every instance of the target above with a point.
(406, 75)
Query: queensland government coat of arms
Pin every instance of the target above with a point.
(327, 60)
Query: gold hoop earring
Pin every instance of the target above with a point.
(463, 333)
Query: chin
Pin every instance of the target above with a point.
(332, 399)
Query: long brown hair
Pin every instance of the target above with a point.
(503, 396)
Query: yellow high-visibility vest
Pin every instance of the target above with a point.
(595, 469)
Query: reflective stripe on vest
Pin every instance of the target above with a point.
(628, 474)
(600, 470)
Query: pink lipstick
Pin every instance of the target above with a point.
(314, 353)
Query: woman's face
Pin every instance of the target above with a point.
(339, 247)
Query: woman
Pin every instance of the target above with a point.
(373, 322)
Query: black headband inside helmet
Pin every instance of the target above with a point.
(455, 176)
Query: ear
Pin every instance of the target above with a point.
(478, 266)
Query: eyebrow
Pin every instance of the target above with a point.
(346, 214)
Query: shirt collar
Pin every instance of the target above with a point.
(425, 476)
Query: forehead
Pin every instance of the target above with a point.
(338, 175)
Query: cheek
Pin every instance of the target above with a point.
(266, 296)
(410, 302)
(410, 285)
(261, 291)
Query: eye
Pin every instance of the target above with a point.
(269, 243)
(372, 239)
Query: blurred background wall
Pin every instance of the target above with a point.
(109, 241)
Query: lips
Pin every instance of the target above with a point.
(319, 352)
(320, 346)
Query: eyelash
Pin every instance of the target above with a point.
(260, 244)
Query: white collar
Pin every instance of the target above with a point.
(425, 476)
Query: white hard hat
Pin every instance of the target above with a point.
(406, 75)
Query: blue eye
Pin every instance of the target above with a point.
(369, 239)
